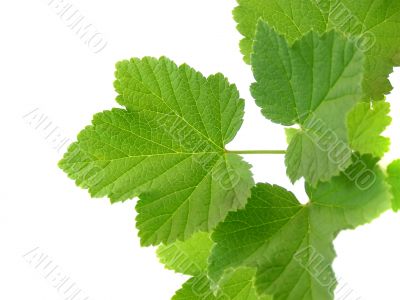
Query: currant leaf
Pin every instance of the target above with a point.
(366, 123)
(190, 258)
(297, 84)
(237, 285)
(167, 147)
(372, 24)
(393, 171)
(290, 134)
(283, 238)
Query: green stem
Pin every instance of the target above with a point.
(257, 151)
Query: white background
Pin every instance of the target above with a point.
(45, 66)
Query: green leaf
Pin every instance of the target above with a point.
(196, 288)
(372, 24)
(237, 285)
(297, 84)
(393, 171)
(167, 147)
(190, 258)
(290, 134)
(290, 244)
(316, 156)
(366, 123)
